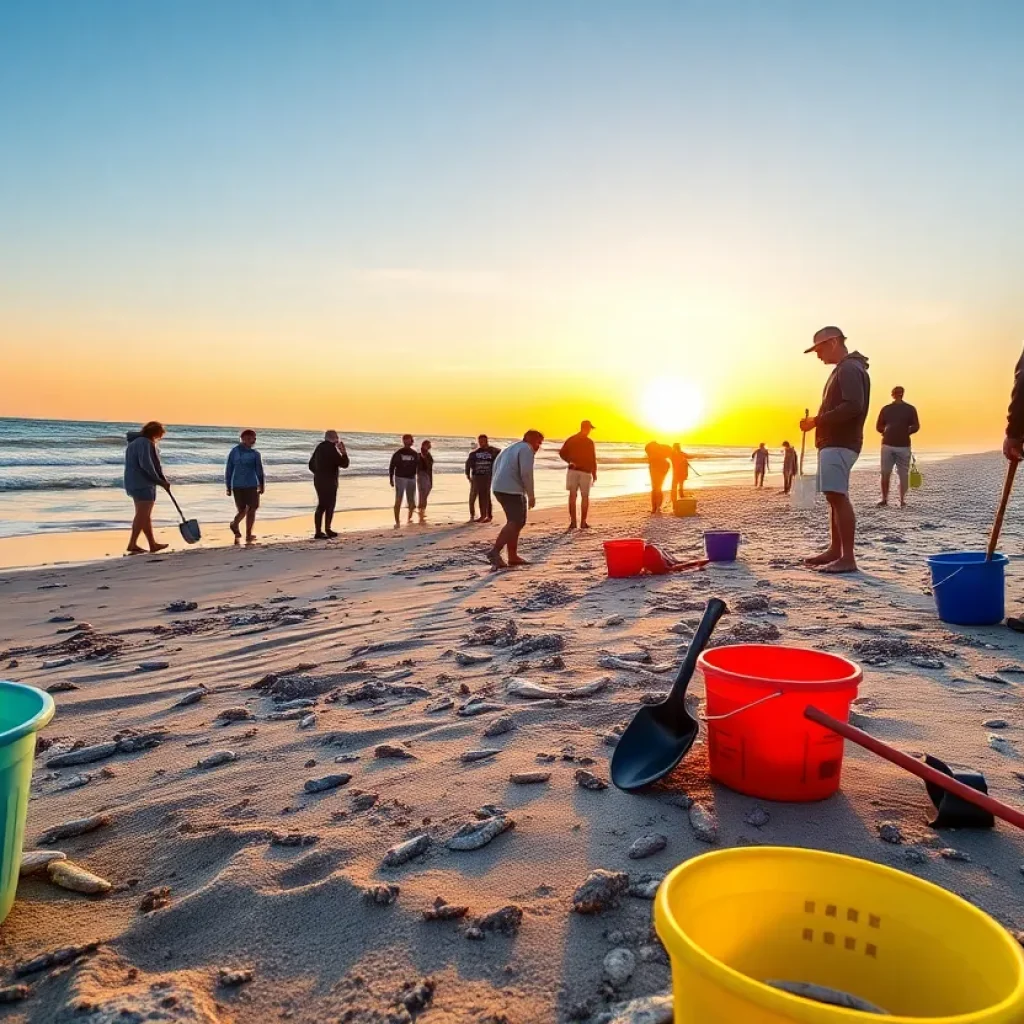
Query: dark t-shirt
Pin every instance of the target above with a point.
(326, 461)
(404, 464)
(895, 422)
(580, 453)
(427, 464)
(481, 461)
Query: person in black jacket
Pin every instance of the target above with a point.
(328, 457)
(405, 463)
(479, 467)
(424, 478)
(839, 436)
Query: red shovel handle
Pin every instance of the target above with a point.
(915, 767)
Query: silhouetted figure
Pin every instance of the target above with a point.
(658, 463)
(405, 464)
(328, 457)
(479, 469)
(424, 477)
(896, 423)
(581, 455)
(790, 466)
(760, 460)
(680, 471)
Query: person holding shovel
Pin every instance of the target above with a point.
(143, 474)
(839, 436)
(1013, 445)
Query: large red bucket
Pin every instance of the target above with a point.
(624, 557)
(759, 742)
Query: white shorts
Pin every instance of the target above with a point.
(834, 466)
(895, 458)
(578, 480)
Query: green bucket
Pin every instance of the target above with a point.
(24, 710)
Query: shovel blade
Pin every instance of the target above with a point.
(190, 532)
(951, 810)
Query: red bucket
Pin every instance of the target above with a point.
(759, 742)
(624, 557)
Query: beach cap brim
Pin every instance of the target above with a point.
(824, 341)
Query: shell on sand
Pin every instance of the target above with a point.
(33, 861)
(68, 875)
(519, 687)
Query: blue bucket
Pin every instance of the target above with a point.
(968, 590)
(721, 545)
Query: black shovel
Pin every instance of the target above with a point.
(660, 735)
(189, 528)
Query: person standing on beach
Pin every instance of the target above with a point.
(790, 466)
(143, 474)
(405, 464)
(328, 457)
(896, 422)
(680, 471)
(581, 455)
(479, 467)
(424, 477)
(760, 460)
(243, 477)
(1013, 444)
(658, 464)
(513, 487)
(839, 436)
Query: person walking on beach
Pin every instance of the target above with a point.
(405, 464)
(424, 478)
(839, 436)
(143, 474)
(581, 455)
(680, 471)
(479, 467)
(244, 479)
(328, 457)
(896, 422)
(790, 466)
(513, 487)
(1013, 444)
(760, 460)
(658, 464)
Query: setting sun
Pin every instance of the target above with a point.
(671, 405)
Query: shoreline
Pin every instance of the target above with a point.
(83, 546)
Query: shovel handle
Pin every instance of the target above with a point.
(915, 767)
(803, 442)
(997, 526)
(715, 609)
(176, 505)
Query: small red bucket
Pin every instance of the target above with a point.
(624, 557)
(759, 742)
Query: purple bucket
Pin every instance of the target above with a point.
(721, 545)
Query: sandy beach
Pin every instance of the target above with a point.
(399, 648)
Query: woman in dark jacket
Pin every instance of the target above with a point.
(143, 474)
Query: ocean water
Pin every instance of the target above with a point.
(67, 476)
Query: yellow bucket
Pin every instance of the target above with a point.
(734, 919)
(685, 507)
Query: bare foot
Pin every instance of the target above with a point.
(823, 559)
(584, 526)
(497, 562)
(157, 547)
(881, 504)
(250, 539)
(136, 550)
(840, 565)
(517, 561)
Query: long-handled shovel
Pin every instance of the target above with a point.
(997, 526)
(949, 816)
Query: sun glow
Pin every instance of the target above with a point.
(671, 405)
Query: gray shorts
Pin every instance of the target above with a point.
(405, 487)
(834, 466)
(895, 458)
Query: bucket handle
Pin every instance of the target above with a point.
(746, 707)
(943, 582)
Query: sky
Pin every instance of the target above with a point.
(455, 217)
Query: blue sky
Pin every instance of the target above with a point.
(605, 183)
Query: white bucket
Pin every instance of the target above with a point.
(803, 492)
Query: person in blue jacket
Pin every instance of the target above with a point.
(143, 474)
(244, 479)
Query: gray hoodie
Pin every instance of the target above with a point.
(141, 464)
(844, 405)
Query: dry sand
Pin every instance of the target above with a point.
(370, 628)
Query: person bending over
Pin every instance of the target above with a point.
(513, 487)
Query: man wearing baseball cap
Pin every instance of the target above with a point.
(839, 436)
(580, 453)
